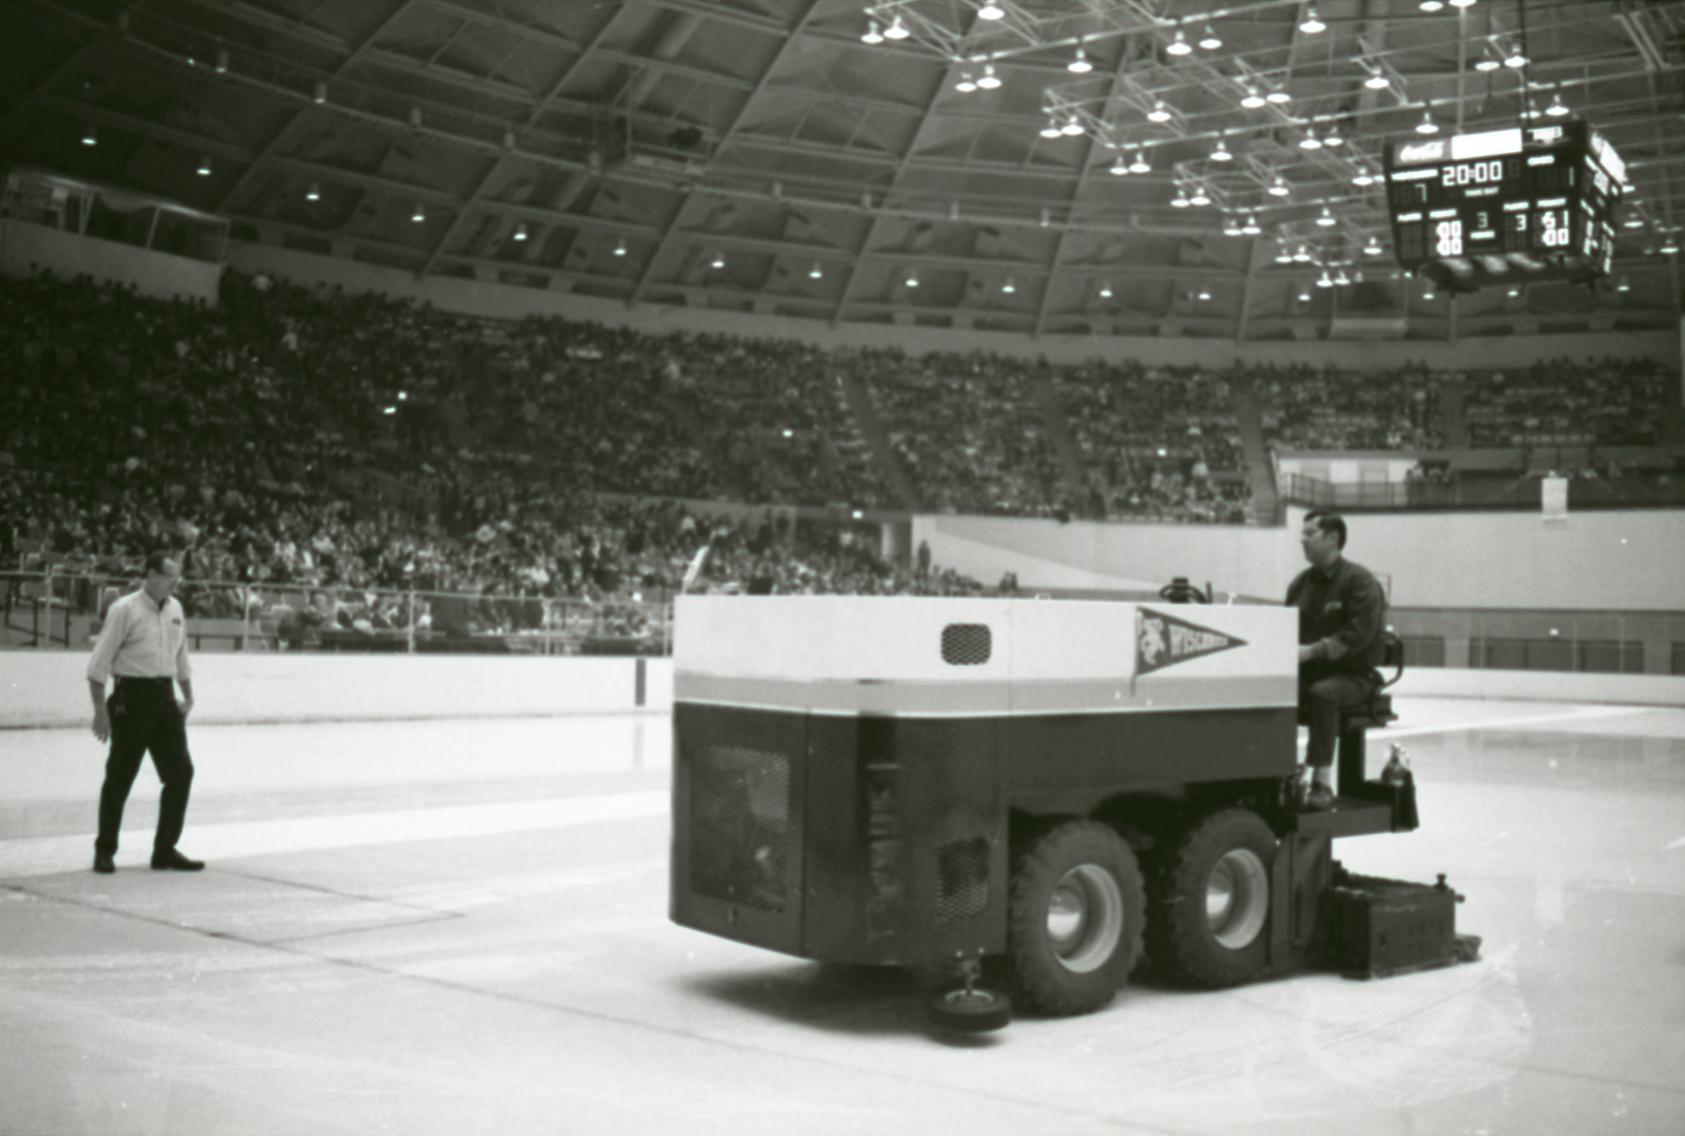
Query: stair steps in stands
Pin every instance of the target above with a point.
(871, 428)
(1265, 507)
(1453, 415)
(1046, 398)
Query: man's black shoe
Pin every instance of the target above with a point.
(173, 861)
(104, 864)
(1320, 798)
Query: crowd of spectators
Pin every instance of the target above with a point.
(1566, 402)
(1156, 443)
(335, 447)
(1307, 408)
(965, 430)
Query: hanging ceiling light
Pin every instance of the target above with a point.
(314, 193)
(1462, 3)
(1220, 152)
(1073, 127)
(1669, 245)
(1325, 280)
(1051, 130)
(1200, 196)
(90, 136)
(872, 34)
(419, 213)
(1119, 167)
(1310, 141)
(815, 272)
(1159, 113)
(1278, 96)
(520, 230)
(988, 80)
(912, 281)
(896, 30)
(1429, 294)
(1105, 291)
(1278, 187)
(1139, 164)
(1363, 177)
(718, 261)
(1204, 294)
(1283, 255)
(1341, 279)
(1333, 137)
(204, 168)
(1427, 125)
(991, 11)
(1304, 294)
(222, 61)
(1557, 108)
(1515, 59)
(1179, 44)
(1312, 25)
(1209, 40)
(1377, 80)
(620, 247)
(1431, 6)
(1252, 228)
(1252, 99)
(1302, 254)
(1232, 227)
(966, 84)
(1623, 285)
(1079, 64)
(321, 95)
(1009, 287)
(1180, 201)
(1326, 218)
(1373, 248)
(1488, 60)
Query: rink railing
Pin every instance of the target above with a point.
(65, 609)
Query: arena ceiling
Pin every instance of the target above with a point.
(759, 155)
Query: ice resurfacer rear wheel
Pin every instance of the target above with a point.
(1074, 930)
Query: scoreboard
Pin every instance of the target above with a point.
(1525, 203)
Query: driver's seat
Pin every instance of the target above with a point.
(1376, 713)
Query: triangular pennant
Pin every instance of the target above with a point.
(1165, 640)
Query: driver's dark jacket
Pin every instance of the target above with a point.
(1344, 608)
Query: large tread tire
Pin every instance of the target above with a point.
(1088, 870)
(1209, 901)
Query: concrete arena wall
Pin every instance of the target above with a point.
(505, 301)
(1627, 560)
(158, 274)
(49, 688)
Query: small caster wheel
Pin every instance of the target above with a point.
(969, 1009)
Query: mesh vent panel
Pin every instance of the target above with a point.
(739, 826)
(967, 644)
(962, 880)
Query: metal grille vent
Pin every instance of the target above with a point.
(967, 644)
(739, 826)
(962, 880)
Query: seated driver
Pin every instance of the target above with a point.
(1341, 614)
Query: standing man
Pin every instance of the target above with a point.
(1341, 613)
(144, 645)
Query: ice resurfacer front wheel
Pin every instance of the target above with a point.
(1211, 901)
(1074, 929)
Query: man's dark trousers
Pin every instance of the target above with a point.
(144, 716)
(1322, 695)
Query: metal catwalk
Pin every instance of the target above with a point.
(461, 926)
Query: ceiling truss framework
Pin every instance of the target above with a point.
(759, 155)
